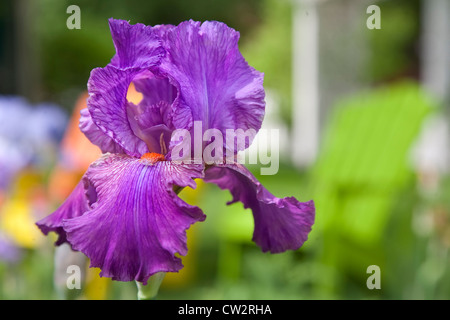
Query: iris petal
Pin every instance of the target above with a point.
(96, 136)
(215, 81)
(138, 222)
(75, 205)
(155, 90)
(138, 49)
(280, 224)
(108, 105)
(136, 45)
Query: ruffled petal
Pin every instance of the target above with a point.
(97, 136)
(280, 224)
(138, 222)
(138, 50)
(215, 81)
(162, 30)
(75, 205)
(107, 104)
(136, 45)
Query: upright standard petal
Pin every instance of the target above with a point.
(215, 81)
(280, 224)
(136, 45)
(138, 222)
(75, 205)
(138, 50)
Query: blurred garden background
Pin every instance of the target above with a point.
(364, 132)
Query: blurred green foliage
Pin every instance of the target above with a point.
(361, 171)
(394, 49)
(269, 49)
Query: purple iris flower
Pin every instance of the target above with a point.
(125, 214)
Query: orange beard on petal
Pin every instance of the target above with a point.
(153, 157)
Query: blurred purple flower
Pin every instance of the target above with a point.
(9, 252)
(27, 134)
(125, 214)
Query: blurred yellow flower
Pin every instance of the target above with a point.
(18, 212)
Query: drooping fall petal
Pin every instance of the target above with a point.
(138, 222)
(280, 224)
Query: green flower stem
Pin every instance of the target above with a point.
(150, 290)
